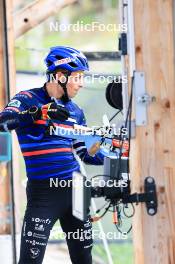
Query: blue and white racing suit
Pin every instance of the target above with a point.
(49, 157)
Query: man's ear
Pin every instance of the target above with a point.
(61, 77)
(58, 75)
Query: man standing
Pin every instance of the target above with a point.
(46, 156)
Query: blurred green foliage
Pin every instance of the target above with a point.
(121, 253)
(41, 38)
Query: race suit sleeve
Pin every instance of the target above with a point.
(10, 115)
(81, 149)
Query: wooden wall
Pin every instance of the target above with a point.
(153, 150)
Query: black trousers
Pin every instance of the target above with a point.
(45, 205)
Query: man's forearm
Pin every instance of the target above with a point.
(82, 152)
(13, 120)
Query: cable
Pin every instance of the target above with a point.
(115, 115)
(129, 115)
(125, 232)
(133, 211)
(118, 223)
(129, 112)
(98, 210)
(96, 218)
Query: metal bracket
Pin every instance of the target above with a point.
(142, 99)
(123, 44)
(149, 197)
(145, 99)
(150, 190)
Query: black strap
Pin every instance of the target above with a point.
(65, 97)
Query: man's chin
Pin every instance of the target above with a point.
(73, 95)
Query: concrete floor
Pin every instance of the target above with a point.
(56, 254)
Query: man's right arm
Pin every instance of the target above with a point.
(11, 117)
(24, 109)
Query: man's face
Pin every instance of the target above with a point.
(75, 82)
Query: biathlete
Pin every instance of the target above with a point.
(30, 113)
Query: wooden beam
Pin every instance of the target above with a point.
(12, 83)
(4, 171)
(153, 150)
(7, 76)
(35, 13)
(17, 3)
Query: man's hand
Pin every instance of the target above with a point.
(49, 111)
(8, 121)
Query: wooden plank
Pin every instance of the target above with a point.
(7, 58)
(4, 172)
(25, 19)
(12, 82)
(152, 152)
(17, 3)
